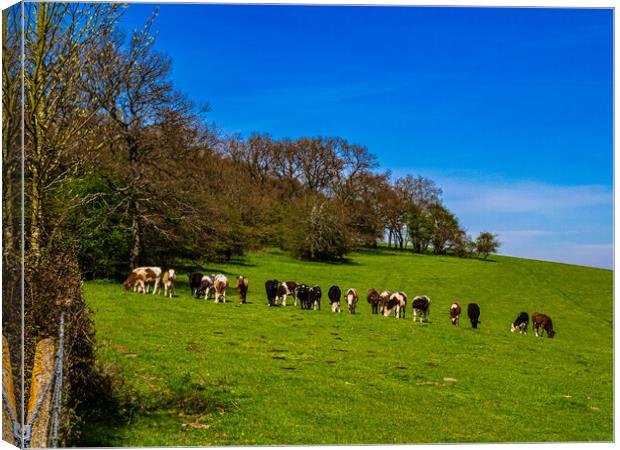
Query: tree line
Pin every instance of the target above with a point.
(121, 169)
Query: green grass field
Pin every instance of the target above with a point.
(199, 373)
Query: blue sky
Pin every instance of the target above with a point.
(510, 111)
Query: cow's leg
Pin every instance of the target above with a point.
(414, 314)
(284, 300)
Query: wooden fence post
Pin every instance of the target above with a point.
(7, 386)
(41, 393)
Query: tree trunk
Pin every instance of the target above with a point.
(136, 236)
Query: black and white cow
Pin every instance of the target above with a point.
(473, 312)
(283, 292)
(271, 287)
(314, 298)
(421, 305)
(206, 286)
(334, 294)
(292, 287)
(521, 323)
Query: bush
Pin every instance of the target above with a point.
(316, 230)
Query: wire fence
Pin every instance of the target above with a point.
(22, 435)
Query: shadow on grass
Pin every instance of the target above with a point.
(112, 406)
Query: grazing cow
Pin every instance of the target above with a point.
(352, 299)
(283, 292)
(384, 297)
(169, 280)
(314, 298)
(473, 312)
(195, 280)
(421, 305)
(520, 323)
(455, 310)
(242, 288)
(271, 287)
(334, 297)
(303, 293)
(220, 283)
(206, 286)
(397, 302)
(373, 298)
(292, 287)
(543, 323)
(140, 277)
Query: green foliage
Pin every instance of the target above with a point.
(487, 243)
(316, 230)
(419, 228)
(283, 376)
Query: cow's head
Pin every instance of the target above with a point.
(550, 333)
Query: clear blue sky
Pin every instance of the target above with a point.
(509, 110)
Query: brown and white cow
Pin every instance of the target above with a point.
(169, 280)
(455, 311)
(220, 283)
(384, 297)
(141, 277)
(396, 302)
(543, 323)
(242, 288)
(373, 298)
(352, 299)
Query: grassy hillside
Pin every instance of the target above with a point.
(199, 373)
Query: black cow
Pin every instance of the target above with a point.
(334, 297)
(473, 312)
(314, 298)
(271, 287)
(521, 323)
(195, 280)
(303, 292)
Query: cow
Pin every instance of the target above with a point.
(397, 302)
(283, 292)
(303, 293)
(314, 298)
(543, 323)
(473, 312)
(169, 280)
(220, 283)
(421, 305)
(455, 311)
(195, 280)
(140, 277)
(242, 288)
(373, 298)
(383, 299)
(271, 287)
(292, 287)
(334, 297)
(206, 286)
(352, 299)
(520, 323)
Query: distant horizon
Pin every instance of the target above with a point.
(508, 110)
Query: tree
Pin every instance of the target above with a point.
(61, 42)
(487, 243)
(446, 228)
(419, 227)
(316, 230)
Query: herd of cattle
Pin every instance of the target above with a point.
(309, 297)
